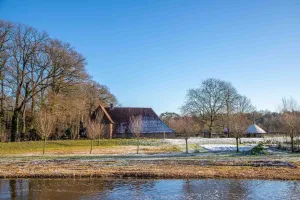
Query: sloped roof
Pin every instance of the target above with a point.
(255, 129)
(151, 122)
(105, 113)
(123, 114)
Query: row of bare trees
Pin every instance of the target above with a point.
(289, 119)
(45, 89)
(216, 104)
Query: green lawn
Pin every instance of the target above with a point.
(69, 145)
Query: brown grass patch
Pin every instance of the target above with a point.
(100, 150)
(153, 169)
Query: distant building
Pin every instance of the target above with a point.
(117, 121)
(255, 130)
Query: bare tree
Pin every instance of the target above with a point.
(290, 123)
(5, 36)
(289, 105)
(27, 43)
(135, 127)
(34, 67)
(270, 122)
(208, 101)
(290, 118)
(67, 66)
(95, 94)
(231, 96)
(238, 124)
(99, 117)
(38, 71)
(235, 103)
(45, 125)
(185, 126)
(92, 131)
(166, 116)
(238, 120)
(243, 104)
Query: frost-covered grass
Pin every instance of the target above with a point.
(202, 165)
(128, 146)
(159, 160)
(81, 146)
(269, 140)
(224, 144)
(225, 147)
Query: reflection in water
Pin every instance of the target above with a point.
(13, 189)
(226, 189)
(147, 189)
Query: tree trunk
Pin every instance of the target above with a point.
(210, 132)
(186, 145)
(16, 114)
(228, 109)
(237, 145)
(23, 122)
(44, 145)
(1, 104)
(91, 147)
(2, 95)
(138, 145)
(292, 142)
(54, 89)
(15, 126)
(99, 139)
(33, 96)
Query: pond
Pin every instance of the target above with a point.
(147, 189)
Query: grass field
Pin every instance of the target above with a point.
(106, 146)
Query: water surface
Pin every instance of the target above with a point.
(104, 189)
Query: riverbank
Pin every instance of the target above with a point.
(157, 159)
(202, 165)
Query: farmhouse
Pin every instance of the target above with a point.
(117, 121)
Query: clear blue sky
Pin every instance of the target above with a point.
(149, 53)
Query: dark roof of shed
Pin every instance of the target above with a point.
(123, 114)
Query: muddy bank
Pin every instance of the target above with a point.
(254, 169)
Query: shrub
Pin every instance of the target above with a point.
(197, 148)
(279, 146)
(258, 149)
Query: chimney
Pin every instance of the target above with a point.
(111, 106)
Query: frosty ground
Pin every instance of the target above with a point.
(215, 158)
(224, 144)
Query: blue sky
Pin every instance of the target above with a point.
(149, 53)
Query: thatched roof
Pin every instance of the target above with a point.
(254, 129)
(120, 116)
